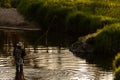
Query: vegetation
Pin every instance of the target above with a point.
(116, 62)
(117, 74)
(116, 66)
(79, 17)
(107, 40)
(9, 3)
(73, 16)
(5, 3)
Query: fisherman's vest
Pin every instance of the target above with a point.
(18, 53)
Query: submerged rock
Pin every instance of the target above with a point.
(81, 48)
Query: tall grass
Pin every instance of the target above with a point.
(83, 23)
(108, 40)
(116, 66)
(75, 16)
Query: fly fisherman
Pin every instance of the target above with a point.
(19, 54)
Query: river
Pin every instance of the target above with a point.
(48, 63)
(52, 63)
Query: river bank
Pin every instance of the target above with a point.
(87, 51)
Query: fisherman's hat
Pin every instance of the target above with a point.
(19, 44)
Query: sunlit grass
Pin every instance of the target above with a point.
(71, 15)
(116, 62)
(116, 66)
(107, 41)
(117, 74)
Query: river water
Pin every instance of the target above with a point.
(51, 63)
(46, 63)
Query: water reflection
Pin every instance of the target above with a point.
(64, 66)
(19, 75)
(40, 65)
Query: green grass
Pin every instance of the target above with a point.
(107, 41)
(75, 16)
(116, 66)
(117, 74)
(116, 62)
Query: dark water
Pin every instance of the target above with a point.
(48, 63)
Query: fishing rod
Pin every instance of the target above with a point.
(45, 34)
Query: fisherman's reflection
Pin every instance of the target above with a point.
(19, 75)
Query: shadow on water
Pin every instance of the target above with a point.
(19, 75)
(104, 61)
(87, 52)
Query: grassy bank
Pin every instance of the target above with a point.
(116, 67)
(79, 16)
(106, 40)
